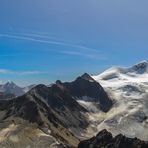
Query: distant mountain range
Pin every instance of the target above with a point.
(12, 88)
(64, 113)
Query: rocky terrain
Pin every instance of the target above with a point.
(55, 116)
(86, 89)
(6, 96)
(33, 108)
(104, 139)
(64, 113)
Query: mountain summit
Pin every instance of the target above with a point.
(86, 76)
(11, 88)
(85, 88)
(129, 89)
(141, 67)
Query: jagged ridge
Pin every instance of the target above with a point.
(106, 140)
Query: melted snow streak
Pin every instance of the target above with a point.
(129, 89)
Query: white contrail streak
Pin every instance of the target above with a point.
(48, 42)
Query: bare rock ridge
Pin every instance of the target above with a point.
(61, 99)
(106, 140)
(49, 108)
(65, 107)
(55, 108)
(86, 86)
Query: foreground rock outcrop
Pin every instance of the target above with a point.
(105, 140)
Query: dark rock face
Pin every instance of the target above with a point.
(33, 108)
(105, 140)
(140, 68)
(69, 112)
(87, 86)
(57, 104)
(28, 108)
(47, 103)
(4, 96)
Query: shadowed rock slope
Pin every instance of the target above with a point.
(51, 109)
(86, 87)
(4, 96)
(53, 113)
(105, 140)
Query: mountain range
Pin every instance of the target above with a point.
(10, 88)
(106, 140)
(53, 108)
(64, 113)
(128, 87)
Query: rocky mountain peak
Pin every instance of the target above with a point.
(10, 84)
(86, 76)
(105, 139)
(141, 67)
(58, 82)
(11, 88)
(86, 87)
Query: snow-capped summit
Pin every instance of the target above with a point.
(140, 68)
(124, 73)
(128, 86)
(11, 88)
(10, 84)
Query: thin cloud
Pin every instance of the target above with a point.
(79, 49)
(36, 35)
(31, 73)
(89, 55)
(47, 41)
(12, 55)
(72, 52)
(6, 71)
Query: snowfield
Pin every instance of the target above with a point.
(128, 87)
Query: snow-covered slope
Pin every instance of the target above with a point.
(128, 87)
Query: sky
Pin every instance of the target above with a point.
(45, 40)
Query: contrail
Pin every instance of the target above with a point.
(35, 35)
(79, 49)
(49, 42)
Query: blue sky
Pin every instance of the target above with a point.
(45, 40)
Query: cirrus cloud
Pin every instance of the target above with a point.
(6, 71)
